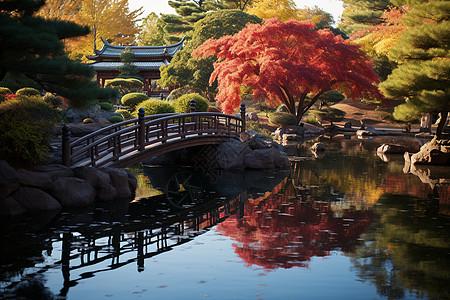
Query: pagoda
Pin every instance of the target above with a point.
(148, 59)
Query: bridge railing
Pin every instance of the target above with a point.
(110, 143)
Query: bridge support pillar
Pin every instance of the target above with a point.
(243, 116)
(66, 145)
(141, 131)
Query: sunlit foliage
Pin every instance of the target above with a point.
(284, 62)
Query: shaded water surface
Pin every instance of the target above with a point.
(345, 224)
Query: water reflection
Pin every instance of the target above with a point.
(391, 226)
(286, 229)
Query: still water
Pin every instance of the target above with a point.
(343, 224)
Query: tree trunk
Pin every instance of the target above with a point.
(441, 124)
(425, 123)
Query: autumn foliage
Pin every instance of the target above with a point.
(283, 62)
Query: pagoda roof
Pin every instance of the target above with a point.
(110, 65)
(109, 50)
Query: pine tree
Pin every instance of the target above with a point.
(128, 70)
(188, 13)
(32, 46)
(360, 14)
(423, 75)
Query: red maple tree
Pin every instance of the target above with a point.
(284, 62)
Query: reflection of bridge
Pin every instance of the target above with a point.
(132, 141)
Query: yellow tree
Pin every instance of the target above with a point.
(107, 19)
(64, 10)
(282, 9)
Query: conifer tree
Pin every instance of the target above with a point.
(188, 13)
(32, 46)
(128, 70)
(423, 75)
(360, 14)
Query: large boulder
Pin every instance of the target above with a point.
(269, 158)
(88, 174)
(105, 191)
(256, 141)
(119, 180)
(72, 191)
(231, 154)
(432, 153)
(392, 149)
(9, 180)
(10, 207)
(39, 180)
(34, 199)
(55, 170)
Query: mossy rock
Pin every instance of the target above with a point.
(125, 114)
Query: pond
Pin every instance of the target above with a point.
(344, 224)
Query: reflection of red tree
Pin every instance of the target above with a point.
(279, 231)
(405, 184)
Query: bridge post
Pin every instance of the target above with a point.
(66, 145)
(141, 130)
(243, 116)
(193, 108)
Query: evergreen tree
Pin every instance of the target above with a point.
(128, 70)
(188, 13)
(360, 14)
(423, 75)
(32, 46)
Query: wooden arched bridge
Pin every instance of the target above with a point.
(131, 141)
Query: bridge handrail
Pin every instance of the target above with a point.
(121, 138)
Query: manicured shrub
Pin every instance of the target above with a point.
(53, 100)
(26, 127)
(116, 119)
(282, 119)
(27, 91)
(105, 106)
(328, 114)
(331, 97)
(133, 99)
(182, 104)
(125, 114)
(88, 120)
(5, 91)
(155, 107)
(311, 120)
(282, 108)
(177, 93)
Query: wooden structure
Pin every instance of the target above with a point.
(132, 141)
(148, 59)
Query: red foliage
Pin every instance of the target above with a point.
(284, 61)
(277, 232)
(10, 96)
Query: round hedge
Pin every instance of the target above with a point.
(28, 91)
(282, 119)
(133, 99)
(5, 91)
(105, 106)
(125, 114)
(155, 107)
(116, 119)
(182, 104)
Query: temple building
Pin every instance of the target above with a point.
(147, 59)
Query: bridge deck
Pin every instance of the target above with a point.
(131, 141)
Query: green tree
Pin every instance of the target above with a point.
(188, 13)
(151, 31)
(128, 70)
(187, 70)
(360, 14)
(32, 47)
(238, 4)
(423, 75)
